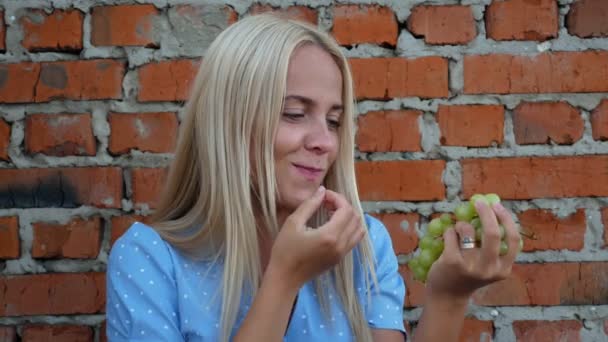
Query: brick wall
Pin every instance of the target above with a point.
(505, 96)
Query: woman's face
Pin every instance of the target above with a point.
(307, 139)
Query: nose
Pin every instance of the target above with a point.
(320, 139)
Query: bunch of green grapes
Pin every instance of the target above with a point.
(431, 244)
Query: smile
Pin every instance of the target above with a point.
(310, 173)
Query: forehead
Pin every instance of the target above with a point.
(313, 73)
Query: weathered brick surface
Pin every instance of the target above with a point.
(62, 187)
(53, 294)
(383, 78)
(545, 122)
(418, 180)
(471, 125)
(587, 18)
(533, 331)
(389, 131)
(59, 31)
(124, 25)
(533, 177)
(5, 139)
(579, 72)
(166, 80)
(59, 333)
(78, 239)
(9, 238)
(60, 134)
(522, 20)
(450, 24)
(553, 233)
(354, 24)
(148, 132)
(301, 13)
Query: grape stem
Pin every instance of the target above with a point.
(527, 235)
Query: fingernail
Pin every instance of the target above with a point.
(320, 190)
(498, 207)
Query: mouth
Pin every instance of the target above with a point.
(310, 173)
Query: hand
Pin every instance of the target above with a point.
(458, 273)
(299, 253)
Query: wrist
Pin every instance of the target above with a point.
(447, 300)
(280, 281)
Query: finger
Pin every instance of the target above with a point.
(334, 201)
(355, 238)
(348, 232)
(490, 239)
(305, 211)
(511, 232)
(451, 247)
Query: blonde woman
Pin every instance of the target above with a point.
(260, 235)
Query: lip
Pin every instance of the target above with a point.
(310, 173)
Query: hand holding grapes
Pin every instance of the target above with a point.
(457, 270)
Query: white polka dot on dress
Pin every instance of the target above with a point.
(151, 282)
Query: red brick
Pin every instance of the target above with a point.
(415, 180)
(605, 223)
(52, 294)
(9, 238)
(386, 131)
(149, 132)
(147, 185)
(2, 32)
(549, 284)
(78, 239)
(547, 331)
(552, 232)
(124, 25)
(587, 18)
(60, 134)
(450, 24)
(301, 13)
(57, 333)
(545, 122)
(120, 224)
(415, 294)
(80, 80)
(102, 332)
(474, 330)
(385, 78)
(5, 139)
(8, 333)
(579, 72)
(61, 30)
(166, 80)
(61, 187)
(536, 177)
(599, 121)
(373, 24)
(522, 20)
(471, 125)
(404, 240)
(18, 82)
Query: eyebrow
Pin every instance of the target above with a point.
(308, 101)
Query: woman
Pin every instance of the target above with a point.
(260, 235)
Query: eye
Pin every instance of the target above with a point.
(333, 123)
(293, 116)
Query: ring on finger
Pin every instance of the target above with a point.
(467, 242)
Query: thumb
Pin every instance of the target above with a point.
(301, 215)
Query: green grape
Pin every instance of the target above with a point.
(502, 231)
(426, 242)
(445, 228)
(492, 199)
(446, 219)
(476, 222)
(420, 273)
(464, 212)
(437, 248)
(435, 228)
(426, 258)
(413, 263)
(478, 197)
(478, 233)
(504, 248)
(521, 244)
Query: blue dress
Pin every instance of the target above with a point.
(155, 293)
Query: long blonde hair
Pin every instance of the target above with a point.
(211, 201)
